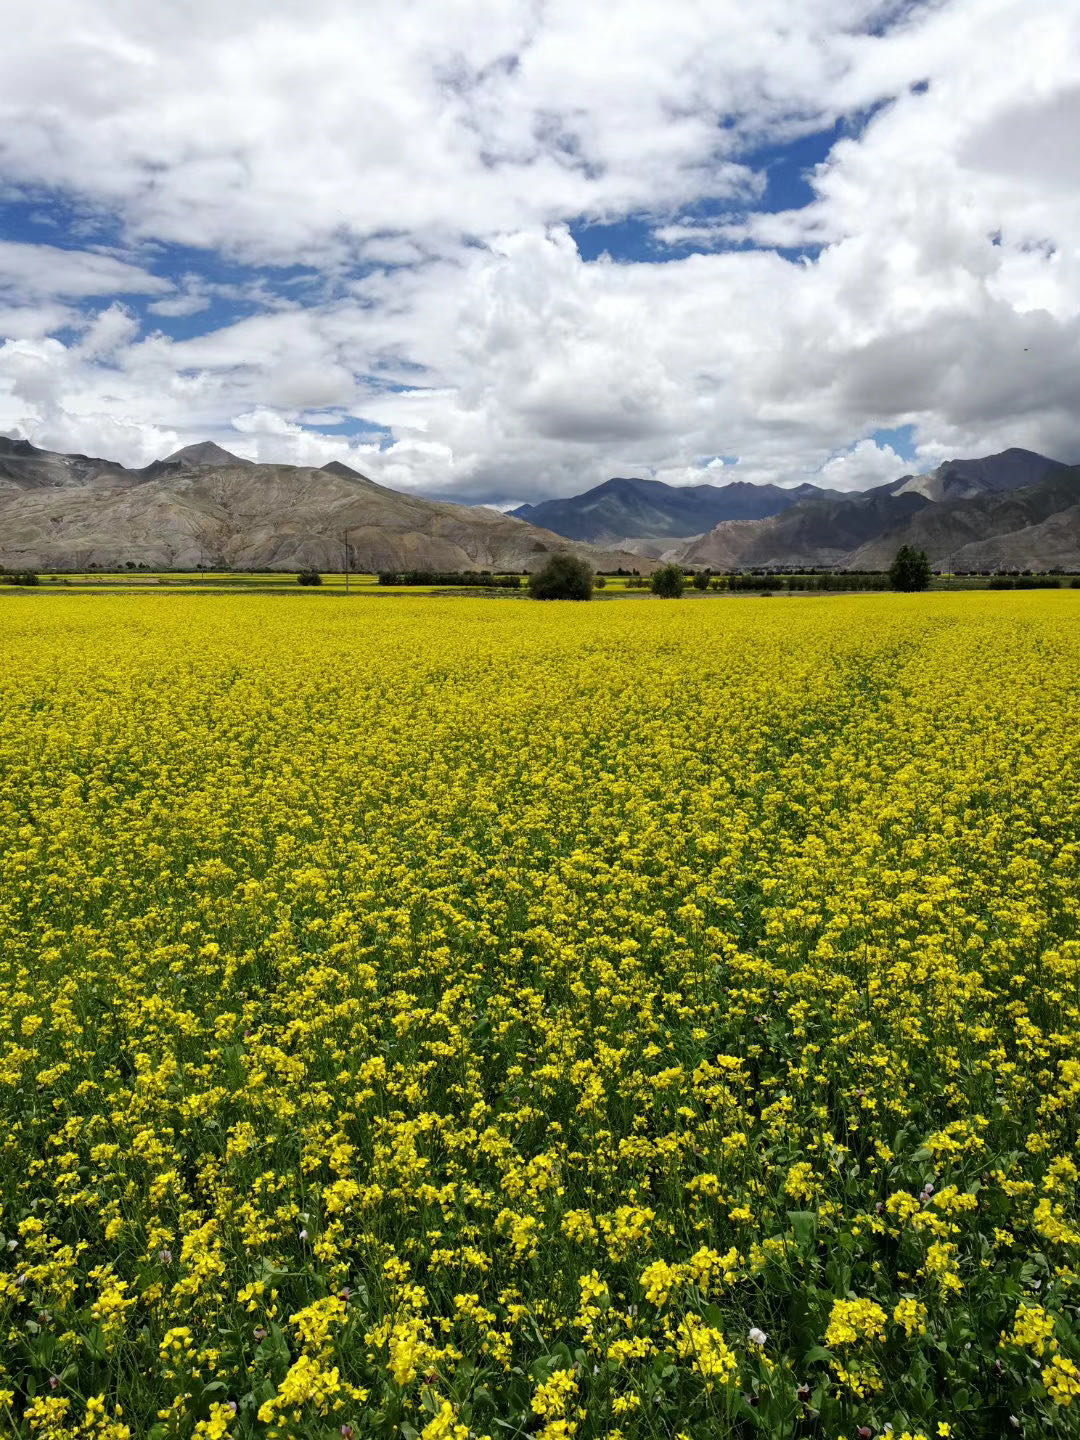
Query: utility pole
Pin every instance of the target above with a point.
(346, 562)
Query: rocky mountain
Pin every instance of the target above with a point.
(814, 533)
(645, 510)
(1034, 527)
(964, 479)
(24, 468)
(963, 503)
(203, 506)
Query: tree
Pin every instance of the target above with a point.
(309, 577)
(564, 577)
(599, 583)
(668, 582)
(910, 570)
(701, 579)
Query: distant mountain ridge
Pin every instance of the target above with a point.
(960, 513)
(964, 479)
(626, 508)
(203, 506)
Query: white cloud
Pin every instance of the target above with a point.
(289, 129)
(47, 270)
(864, 465)
(447, 144)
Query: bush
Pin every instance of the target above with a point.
(599, 583)
(701, 580)
(668, 582)
(20, 577)
(564, 577)
(309, 577)
(910, 570)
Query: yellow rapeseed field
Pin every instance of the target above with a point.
(467, 1018)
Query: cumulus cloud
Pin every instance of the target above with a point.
(425, 163)
(49, 270)
(271, 130)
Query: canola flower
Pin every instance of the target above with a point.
(448, 1019)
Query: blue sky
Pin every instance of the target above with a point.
(499, 253)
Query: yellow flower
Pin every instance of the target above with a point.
(854, 1321)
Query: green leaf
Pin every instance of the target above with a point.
(804, 1224)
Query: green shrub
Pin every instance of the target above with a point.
(910, 570)
(564, 577)
(668, 582)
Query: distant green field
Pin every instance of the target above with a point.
(276, 581)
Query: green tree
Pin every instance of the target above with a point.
(564, 577)
(309, 577)
(599, 583)
(701, 579)
(910, 570)
(668, 582)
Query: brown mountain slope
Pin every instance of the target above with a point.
(277, 517)
(990, 512)
(1052, 545)
(1010, 529)
(816, 532)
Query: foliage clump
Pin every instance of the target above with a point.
(309, 577)
(564, 577)
(668, 582)
(910, 570)
(481, 579)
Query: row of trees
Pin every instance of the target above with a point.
(485, 579)
(566, 577)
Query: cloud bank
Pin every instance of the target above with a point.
(327, 231)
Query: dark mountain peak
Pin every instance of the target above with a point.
(9, 445)
(632, 507)
(206, 452)
(343, 471)
(31, 468)
(960, 479)
(626, 482)
(959, 507)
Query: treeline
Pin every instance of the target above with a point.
(483, 579)
(849, 580)
(768, 581)
(1031, 582)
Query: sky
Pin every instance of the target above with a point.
(500, 250)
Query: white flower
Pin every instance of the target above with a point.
(758, 1336)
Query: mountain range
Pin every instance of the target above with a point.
(203, 506)
(631, 511)
(1013, 510)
